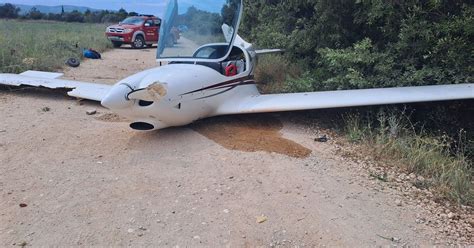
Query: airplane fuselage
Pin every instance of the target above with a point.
(177, 94)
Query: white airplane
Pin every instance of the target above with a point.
(210, 72)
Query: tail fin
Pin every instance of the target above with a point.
(229, 31)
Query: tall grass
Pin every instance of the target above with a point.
(274, 72)
(393, 138)
(44, 45)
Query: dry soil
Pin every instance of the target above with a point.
(67, 178)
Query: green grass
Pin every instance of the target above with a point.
(44, 45)
(394, 139)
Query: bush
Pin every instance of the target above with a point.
(357, 67)
(363, 44)
(74, 16)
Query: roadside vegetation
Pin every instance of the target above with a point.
(46, 45)
(11, 11)
(388, 134)
(337, 45)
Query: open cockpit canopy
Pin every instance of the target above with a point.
(188, 25)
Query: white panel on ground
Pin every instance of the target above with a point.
(90, 91)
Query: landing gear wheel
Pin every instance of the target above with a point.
(116, 44)
(73, 62)
(139, 42)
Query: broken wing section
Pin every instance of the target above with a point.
(83, 90)
(346, 98)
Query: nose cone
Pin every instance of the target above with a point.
(117, 97)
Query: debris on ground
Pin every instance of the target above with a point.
(393, 239)
(23, 244)
(261, 219)
(73, 62)
(91, 54)
(91, 112)
(46, 109)
(23, 205)
(110, 117)
(29, 61)
(322, 139)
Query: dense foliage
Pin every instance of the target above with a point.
(368, 43)
(348, 44)
(9, 11)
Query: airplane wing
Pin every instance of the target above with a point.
(83, 90)
(346, 98)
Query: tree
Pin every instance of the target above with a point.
(122, 14)
(111, 18)
(54, 17)
(35, 14)
(229, 10)
(9, 10)
(74, 16)
(347, 42)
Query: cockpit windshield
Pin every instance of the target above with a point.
(188, 25)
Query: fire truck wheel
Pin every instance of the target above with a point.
(139, 42)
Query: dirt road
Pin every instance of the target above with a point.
(71, 179)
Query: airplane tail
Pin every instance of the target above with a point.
(228, 31)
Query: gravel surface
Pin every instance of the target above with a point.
(68, 178)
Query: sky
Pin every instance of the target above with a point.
(155, 7)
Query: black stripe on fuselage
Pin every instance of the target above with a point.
(218, 93)
(230, 87)
(221, 85)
